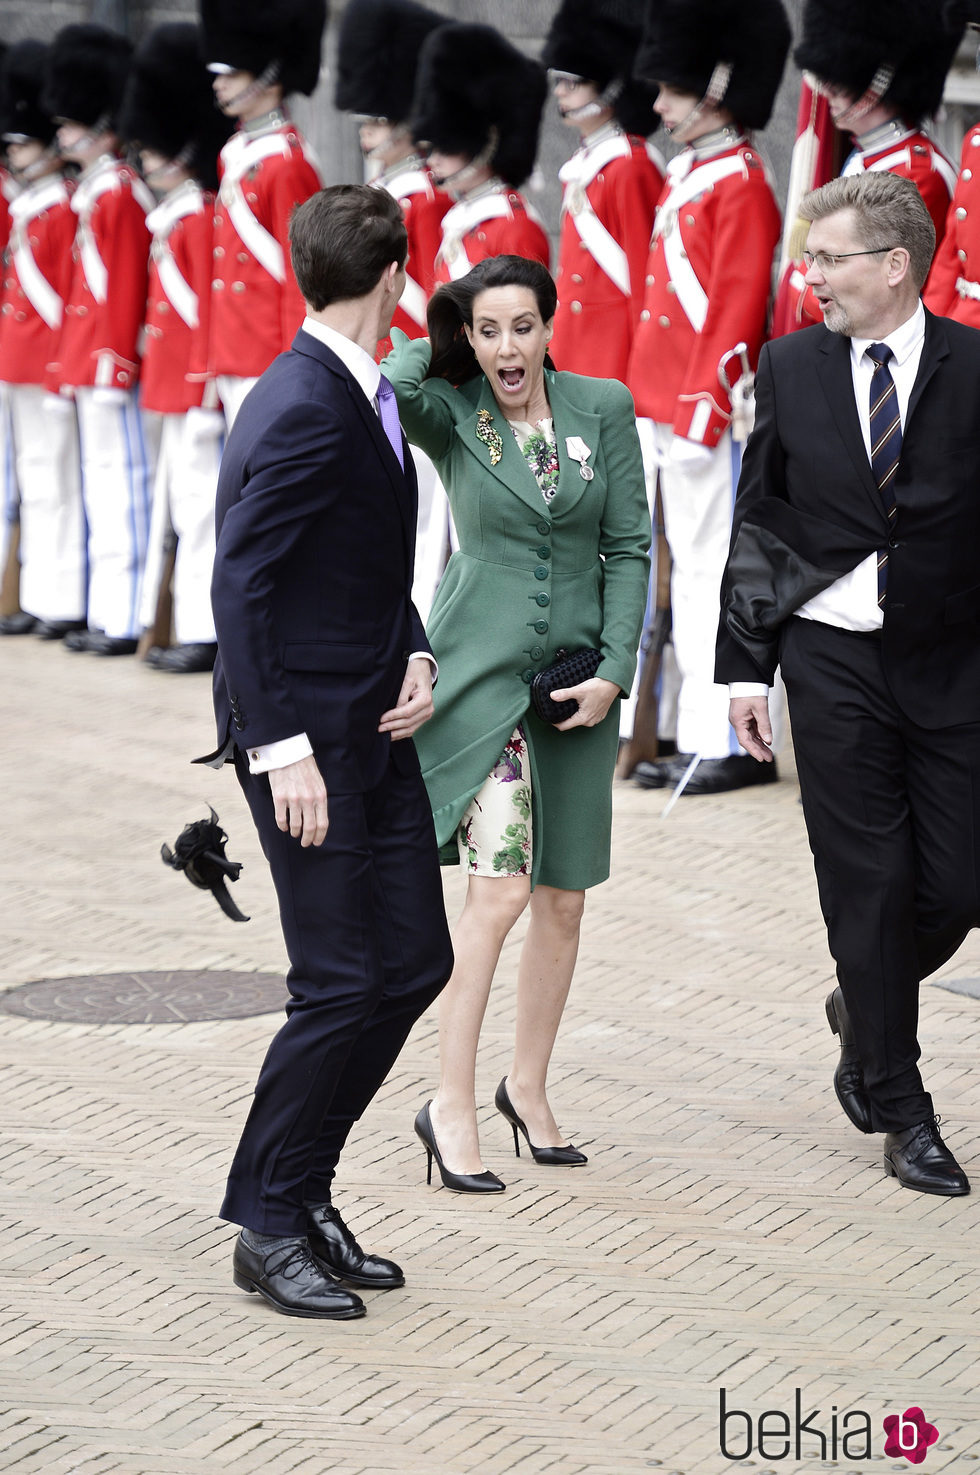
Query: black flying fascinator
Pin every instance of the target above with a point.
(199, 851)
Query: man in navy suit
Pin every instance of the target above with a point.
(323, 675)
(854, 565)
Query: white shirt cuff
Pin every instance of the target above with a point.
(279, 755)
(426, 655)
(747, 689)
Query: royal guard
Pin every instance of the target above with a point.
(98, 356)
(36, 282)
(168, 114)
(377, 59)
(611, 183)
(882, 66)
(477, 109)
(953, 286)
(703, 320)
(259, 53)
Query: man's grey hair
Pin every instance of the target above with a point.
(889, 211)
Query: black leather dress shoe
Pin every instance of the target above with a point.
(849, 1075)
(198, 656)
(662, 774)
(97, 642)
(920, 1159)
(56, 629)
(290, 1279)
(335, 1247)
(19, 623)
(720, 775)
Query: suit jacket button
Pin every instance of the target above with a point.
(528, 676)
(536, 652)
(540, 572)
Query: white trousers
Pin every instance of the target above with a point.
(9, 499)
(183, 503)
(669, 682)
(232, 391)
(697, 501)
(118, 457)
(432, 534)
(52, 519)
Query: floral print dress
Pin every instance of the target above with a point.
(494, 835)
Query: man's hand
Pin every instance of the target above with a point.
(300, 797)
(750, 718)
(414, 702)
(594, 698)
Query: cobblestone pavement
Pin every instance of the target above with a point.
(731, 1230)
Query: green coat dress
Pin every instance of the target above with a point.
(528, 579)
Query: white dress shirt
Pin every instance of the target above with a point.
(851, 602)
(367, 375)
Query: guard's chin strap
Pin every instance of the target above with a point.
(399, 131)
(266, 78)
(102, 124)
(607, 99)
(42, 164)
(870, 98)
(713, 96)
(458, 183)
(179, 161)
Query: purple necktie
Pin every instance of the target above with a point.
(388, 415)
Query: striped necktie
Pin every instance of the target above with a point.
(388, 415)
(886, 444)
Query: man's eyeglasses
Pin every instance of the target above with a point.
(828, 260)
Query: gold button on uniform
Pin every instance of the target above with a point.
(575, 307)
(961, 213)
(645, 315)
(664, 321)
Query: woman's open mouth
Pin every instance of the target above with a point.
(511, 379)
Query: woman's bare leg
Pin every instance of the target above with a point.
(543, 980)
(493, 904)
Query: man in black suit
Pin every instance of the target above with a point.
(323, 674)
(854, 565)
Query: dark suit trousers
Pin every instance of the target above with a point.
(368, 945)
(893, 815)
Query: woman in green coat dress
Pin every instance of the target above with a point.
(545, 482)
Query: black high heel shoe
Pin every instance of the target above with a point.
(485, 1182)
(553, 1157)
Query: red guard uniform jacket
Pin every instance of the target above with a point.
(423, 206)
(707, 289)
(914, 156)
(8, 193)
(36, 279)
(107, 297)
(611, 188)
(256, 305)
(174, 374)
(493, 221)
(953, 287)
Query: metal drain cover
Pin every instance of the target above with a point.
(147, 998)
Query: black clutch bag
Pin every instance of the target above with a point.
(567, 669)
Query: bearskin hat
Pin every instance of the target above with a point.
(684, 40)
(598, 39)
(377, 56)
(168, 104)
(915, 39)
(251, 35)
(86, 73)
(470, 83)
(21, 80)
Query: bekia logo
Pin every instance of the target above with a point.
(910, 1435)
(775, 1434)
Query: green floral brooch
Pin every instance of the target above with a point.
(489, 436)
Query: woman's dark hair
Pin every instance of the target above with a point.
(451, 311)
